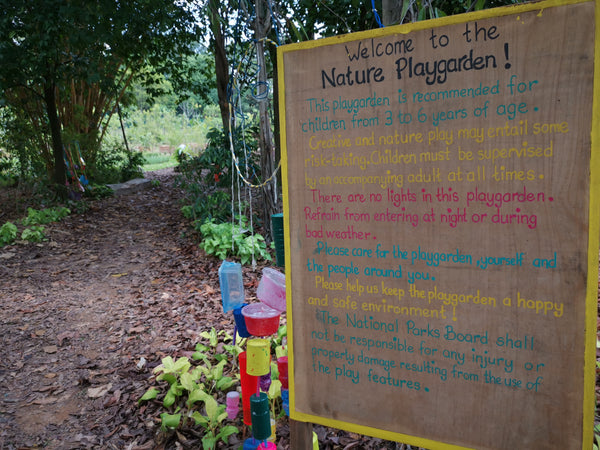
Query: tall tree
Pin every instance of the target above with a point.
(61, 52)
(217, 18)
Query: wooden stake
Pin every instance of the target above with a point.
(301, 435)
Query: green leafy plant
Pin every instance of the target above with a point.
(8, 233)
(45, 216)
(216, 157)
(115, 164)
(133, 166)
(216, 205)
(205, 352)
(191, 389)
(212, 422)
(227, 239)
(35, 233)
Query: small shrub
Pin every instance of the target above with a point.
(8, 233)
(33, 234)
(215, 206)
(44, 216)
(133, 167)
(114, 164)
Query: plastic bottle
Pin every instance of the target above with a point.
(232, 402)
(232, 285)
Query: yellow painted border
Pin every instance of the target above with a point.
(589, 393)
(593, 245)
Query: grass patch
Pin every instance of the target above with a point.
(157, 161)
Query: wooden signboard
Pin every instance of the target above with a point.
(441, 215)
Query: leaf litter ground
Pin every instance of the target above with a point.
(89, 313)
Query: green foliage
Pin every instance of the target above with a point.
(212, 167)
(34, 233)
(216, 160)
(216, 206)
(114, 164)
(106, 169)
(8, 233)
(97, 191)
(212, 421)
(226, 239)
(34, 222)
(133, 167)
(44, 216)
(205, 352)
(19, 146)
(189, 392)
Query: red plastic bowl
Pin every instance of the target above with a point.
(261, 320)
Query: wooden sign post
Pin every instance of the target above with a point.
(441, 216)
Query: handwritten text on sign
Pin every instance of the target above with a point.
(437, 199)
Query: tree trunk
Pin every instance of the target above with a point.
(221, 63)
(265, 135)
(390, 11)
(59, 176)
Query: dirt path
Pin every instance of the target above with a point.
(113, 285)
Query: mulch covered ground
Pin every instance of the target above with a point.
(87, 315)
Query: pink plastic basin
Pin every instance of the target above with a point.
(261, 320)
(271, 289)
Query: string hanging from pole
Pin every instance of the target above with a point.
(245, 76)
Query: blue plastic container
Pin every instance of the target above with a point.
(240, 322)
(285, 397)
(251, 444)
(232, 285)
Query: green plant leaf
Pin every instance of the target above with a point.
(209, 442)
(150, 394)
(197, 395)
(8, 233)
(169, 420)
(187, 381)
(168, 377)
(199, 419)
(197, 372)
(217, 371)
(212, 336)
(212, 408)
(226, 431)
(274, 390)
(201, 347)
(167, 364)
(224, 383)
(182, 365)
(169, 399)
(33, 234)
